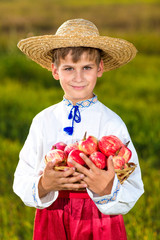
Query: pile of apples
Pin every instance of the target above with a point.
(97, 151)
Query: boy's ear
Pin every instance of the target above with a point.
(55, 71)
(100, 69)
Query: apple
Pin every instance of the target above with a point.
(99, 159)
(118, 162)
(88, 145)
(126, 153)
(109, 145)
(59, 145)
(70, 147)
(56, 154)
(74, 155)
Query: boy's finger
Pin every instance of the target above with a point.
(65, 174)
(110, 164)
(68, 172)
(74, 179)
(89, 163)
(79, 167)
(50, 165)
(76, 174)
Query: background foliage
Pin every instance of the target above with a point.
(132, 91)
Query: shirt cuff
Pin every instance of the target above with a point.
(45, 201)
(100, 200)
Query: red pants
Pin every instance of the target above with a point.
(74, 216)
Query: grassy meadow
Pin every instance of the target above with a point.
(132, 91)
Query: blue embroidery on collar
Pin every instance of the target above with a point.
(76, 116)
(81, 104)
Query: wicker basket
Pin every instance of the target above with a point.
(126, 172)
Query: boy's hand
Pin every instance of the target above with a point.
(99, 181)
(52, 180)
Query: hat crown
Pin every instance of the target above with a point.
(77, 27)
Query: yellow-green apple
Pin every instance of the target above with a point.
(56, 155)
(59, 145)
(109, 145)
(99, 159)
(70, 147)
(118, 162)
(88, 145)
(74, 155)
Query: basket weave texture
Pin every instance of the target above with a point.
(126, 172)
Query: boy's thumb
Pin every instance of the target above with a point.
(110, 163)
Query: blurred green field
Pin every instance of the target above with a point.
(35, 17)
(132, 91)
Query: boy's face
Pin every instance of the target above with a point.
(77, 79)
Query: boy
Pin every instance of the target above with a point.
(77, 56)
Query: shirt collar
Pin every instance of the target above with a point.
(81, 104)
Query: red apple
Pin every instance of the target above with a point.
(126, 153)
(74, 155)
(118, 162)
(89, 145)
(109, 145)
(59, 145)
(99, 159)
(56, 154)
(70, 147)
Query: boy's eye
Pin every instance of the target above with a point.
(68, 69)
(87, 68)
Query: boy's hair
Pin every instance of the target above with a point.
(76, 52)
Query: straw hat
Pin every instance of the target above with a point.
(76, 33)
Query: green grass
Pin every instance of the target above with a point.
(143, 220)
(117, 18)
(16, 219)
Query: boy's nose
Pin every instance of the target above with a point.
(78, 76)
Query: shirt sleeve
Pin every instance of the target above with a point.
(123, 196)
(27, 174)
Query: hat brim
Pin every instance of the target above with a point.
(117, 52)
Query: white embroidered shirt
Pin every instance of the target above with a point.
(47, 128)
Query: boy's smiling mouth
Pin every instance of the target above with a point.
(78, 87)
